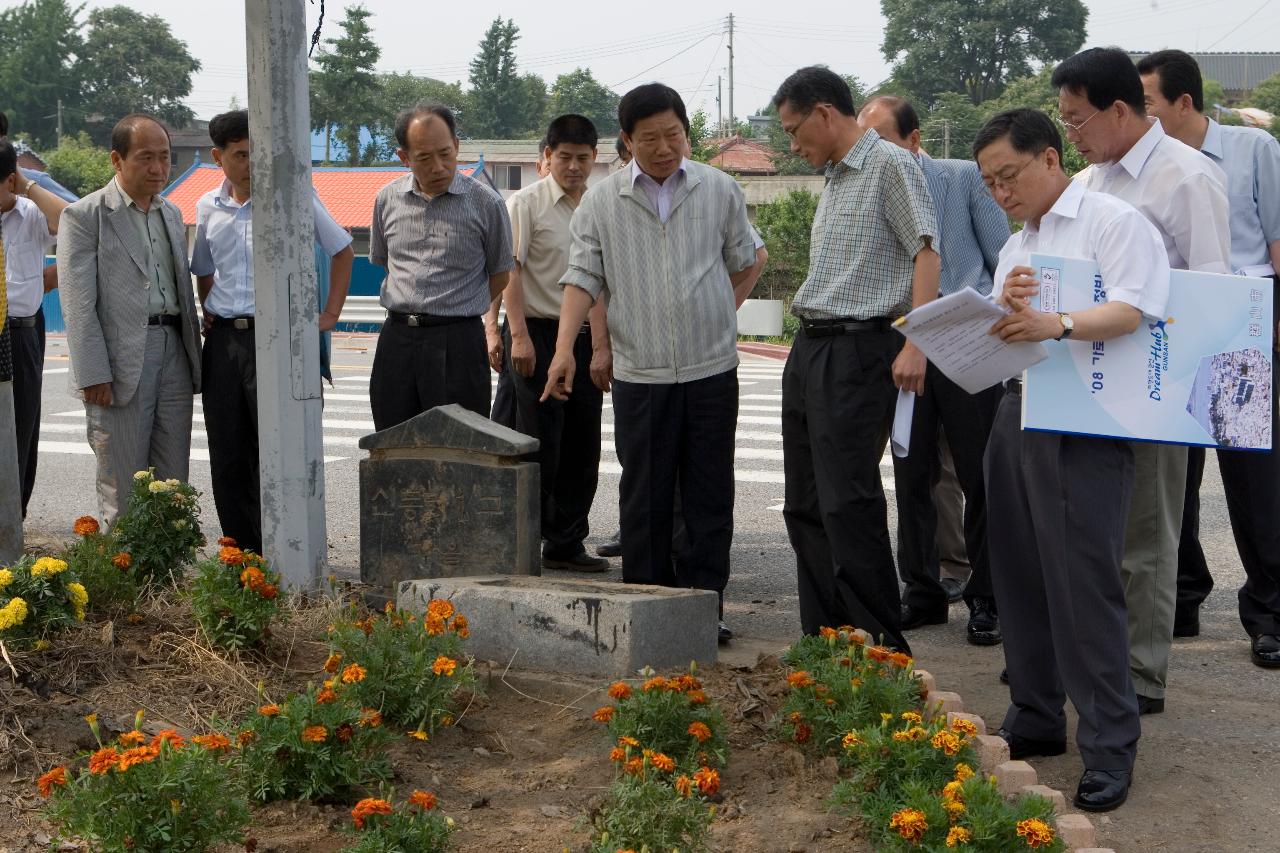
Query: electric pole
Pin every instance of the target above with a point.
(719, 106)
(59, 121)
(731, 117)
(946, 139)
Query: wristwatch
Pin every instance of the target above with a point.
(1068, 326)
(27, 189)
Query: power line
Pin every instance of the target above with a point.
(1248, 18)
(663, 62)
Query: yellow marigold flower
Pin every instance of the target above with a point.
(800, 678)
(953, 791)
(958, 835)
(850, 740)
(912, 717)
(315, 734)
(157, 487)
(418, 734)
(48, 567)
(133, 738)
(947, 742)
(902, 737)
(142, 475)
(684, 786)
(424, 800)
(440, 608)
(963, 772)
(78, 594)
(367, 808)
(603, 715)
(446, 721)
(12, 614)
(885, 717)
(41, 645)
(122, 560)
(910, 824)
(214, 742)
(6, 578)
(620, 690)
(444, 666)
(965, 727)
(57, 777)
(700, 730)
(86, 525)
(370, 717)
(707, 780)
(355, 672)
(955, 808)
(627, 740)
(1036, 832)
(269, 710)
(662, 762)
(332, 663)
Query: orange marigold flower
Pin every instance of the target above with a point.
(122, 560)
(333, 663)
(434, 626)
(685, 683)
(684, 786)
(800, 678)
(444, 666)
(245, 738)
(345, 732)
(268, 591)
(214, 742)
(697, 697)
(326, 696)
(231, 555)
(617, 754)
(700, 730)
(958, 835)
(955, 809)
(900, 660)
(252, 578)
(655, 683)
(912, 717)
(828, 633)
(440, 608)
(635, 766)
(850, 740)
(803, 732)
(1036, 832)
(368, 807)
(424, 800)
(707, 780)
(603, 715)
(315, 734)
(662, 762)
(103, 760)
(137, 755)
(620, 690)
(963, 772)
(226, 542)
(964, 727)
(947, 742)
(879, 653)
(355, 672)
(910, 824)
(86, 525)
(57, 777)
(169, 736)
(627, 740)
(269, 710)
(133, 738)
(370, 717)
(461, 627)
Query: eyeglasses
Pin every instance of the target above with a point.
(1008, 181)
(1075, 128)
(792, 132)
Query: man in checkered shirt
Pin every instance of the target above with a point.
(871, 260)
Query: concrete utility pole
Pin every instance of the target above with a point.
(719, 106)
(731, 117)
(59, 121)
(946, 139)
(291, 453)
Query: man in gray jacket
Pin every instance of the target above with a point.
(131, 316)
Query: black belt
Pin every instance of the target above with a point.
(164, 320)
(417, 320)
(23, 322)
(844, 326)
(234, 322)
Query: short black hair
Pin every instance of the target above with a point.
(650, 100)
(1102, 75)
(904, 115)
(813, 85)
(570, 129)
(620, 145)
(229, 127)
(8, 159)
(1178, 74)
(406, 117)
(1029, 132)
(122, 134)
(4, 125)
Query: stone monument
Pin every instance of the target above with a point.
(447, 494)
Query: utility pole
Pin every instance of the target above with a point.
(946, 139)
(59, 121)
(731, 116)
(719, 107)
(291, 455)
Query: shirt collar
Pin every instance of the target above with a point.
(455, 186)
(1212, 144)
(128, 201)
(557, 191)
(19, 209)
(226, 199)
(1067, 207)
(637, 172)
(861, 150)
(1137, 157)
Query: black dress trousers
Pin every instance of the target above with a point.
(229, 393)
(417, 368)
(27, 338)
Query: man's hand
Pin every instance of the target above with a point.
(522, 354)
(1024, 323)
(602, 367)
(328, 322)
(98, 395)
(1019, 286)
(560, 376)
(206, 321)
(493, 341)
(908, 369)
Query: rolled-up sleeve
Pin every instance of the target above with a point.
(1134, 264)
(586, 260)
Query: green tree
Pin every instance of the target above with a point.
(532, 106)
(79, 165)
(39, 43)
(498, 96)
(401, 91)
(1213, 94)
(579, 92)
(1267, 95)
(952, 125)
(975, 46)
(699, 133)
(1035, 91)
(785, 225)
(132, 63)
(346, 92)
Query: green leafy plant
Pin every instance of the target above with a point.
(317, 744)
(413, 670)
(234, 596)
(884, 759)
(38, 598)
(160, 528)
(668, 715)
(417, 826)
(106, 570)
(652, 805)
(157, 795)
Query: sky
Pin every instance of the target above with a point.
(679, 43)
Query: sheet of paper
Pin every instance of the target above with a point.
(953, 333)
(900, 435)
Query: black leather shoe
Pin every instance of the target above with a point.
(1147, 705)
(984, 624)
(1026, 747)
(1004, 676)
(955, 589)
(915, 618)
(1265, 650)
(580, 562)
(723, 634)
(612, 548)
(1186, 622)
(1103, 790)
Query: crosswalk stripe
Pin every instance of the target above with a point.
(72, 448)
(327, 423)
